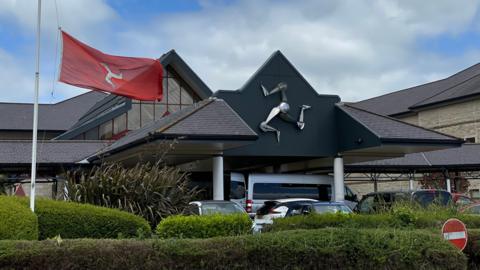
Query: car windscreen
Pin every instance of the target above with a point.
(221, 208)
(427, 197)
(321, 209)
(237, 190)
(274, 191)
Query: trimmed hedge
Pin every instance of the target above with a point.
(472, 250)
(400, 219)
(16, 220)
(75, 220)
(304, 249)
(204, 226)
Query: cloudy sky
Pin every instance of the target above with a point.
(352, 48)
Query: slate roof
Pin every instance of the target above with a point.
(463, 84)
(49, 152)
(391, 129)
(56, 117)
(208, 119)
(464, 156)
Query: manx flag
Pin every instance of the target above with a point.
(86, 67)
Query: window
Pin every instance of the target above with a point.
(273, 191)
(134, 117)
(366, 205)
(120, 124)
(147, 112)
(237, 190)
(160, 110)
(176, 96)
(92, 134)
(106, 130)
(470, 139)
(186, 98)
(173, 91)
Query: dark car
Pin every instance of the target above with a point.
(473, 208)
(209, 207)
(381, 201)
(462, 199)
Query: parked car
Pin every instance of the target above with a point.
(461, 199)
(209, 207)
(327, 207)
(279, 209)
(267, 187)
(471, 209)
(378, 201)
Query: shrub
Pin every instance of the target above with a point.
(152, 191)
(472, 250)
(397, 217)
(74, 220)
(16, 220)
(312, 249)
(204, 226)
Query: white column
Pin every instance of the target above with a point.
(410, 183)
(218, 178)
(338, 178)
(449, 188)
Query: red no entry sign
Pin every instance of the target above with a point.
(455, 231)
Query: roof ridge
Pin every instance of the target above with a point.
(49, 104)
(402, 122)
(424, 84)
(446, 90)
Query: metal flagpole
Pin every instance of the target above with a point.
(35, 113)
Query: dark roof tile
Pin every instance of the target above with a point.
(61, 152)
(389, 128)
(58, 117)
(463, 83)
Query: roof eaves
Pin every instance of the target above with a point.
(406, 123)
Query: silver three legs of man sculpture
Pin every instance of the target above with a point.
(281, 110)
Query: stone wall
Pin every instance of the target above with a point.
(460, 119)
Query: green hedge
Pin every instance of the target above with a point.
(399, 219)
(16, 220)
(204, 226)
(472, 250)
(304, 249)
(75, 220)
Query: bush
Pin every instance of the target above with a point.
(313, 249)
(152, 191)
(472, 250)
(397, 218)
(16, 220)
(74, 220)
(204, 226)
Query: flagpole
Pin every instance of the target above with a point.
(35, 113)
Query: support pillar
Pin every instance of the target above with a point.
(217, 178)
(410, 181)
(338, 178)
(449, 186)
(447, 180)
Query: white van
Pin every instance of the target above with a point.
(266, 187)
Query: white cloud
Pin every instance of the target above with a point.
(356, 49)
(88, 20)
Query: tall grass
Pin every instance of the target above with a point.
(153, 191)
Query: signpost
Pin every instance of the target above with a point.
(455, 232)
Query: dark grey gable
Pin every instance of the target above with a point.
(317, 138)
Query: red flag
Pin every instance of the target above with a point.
(133, 77)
